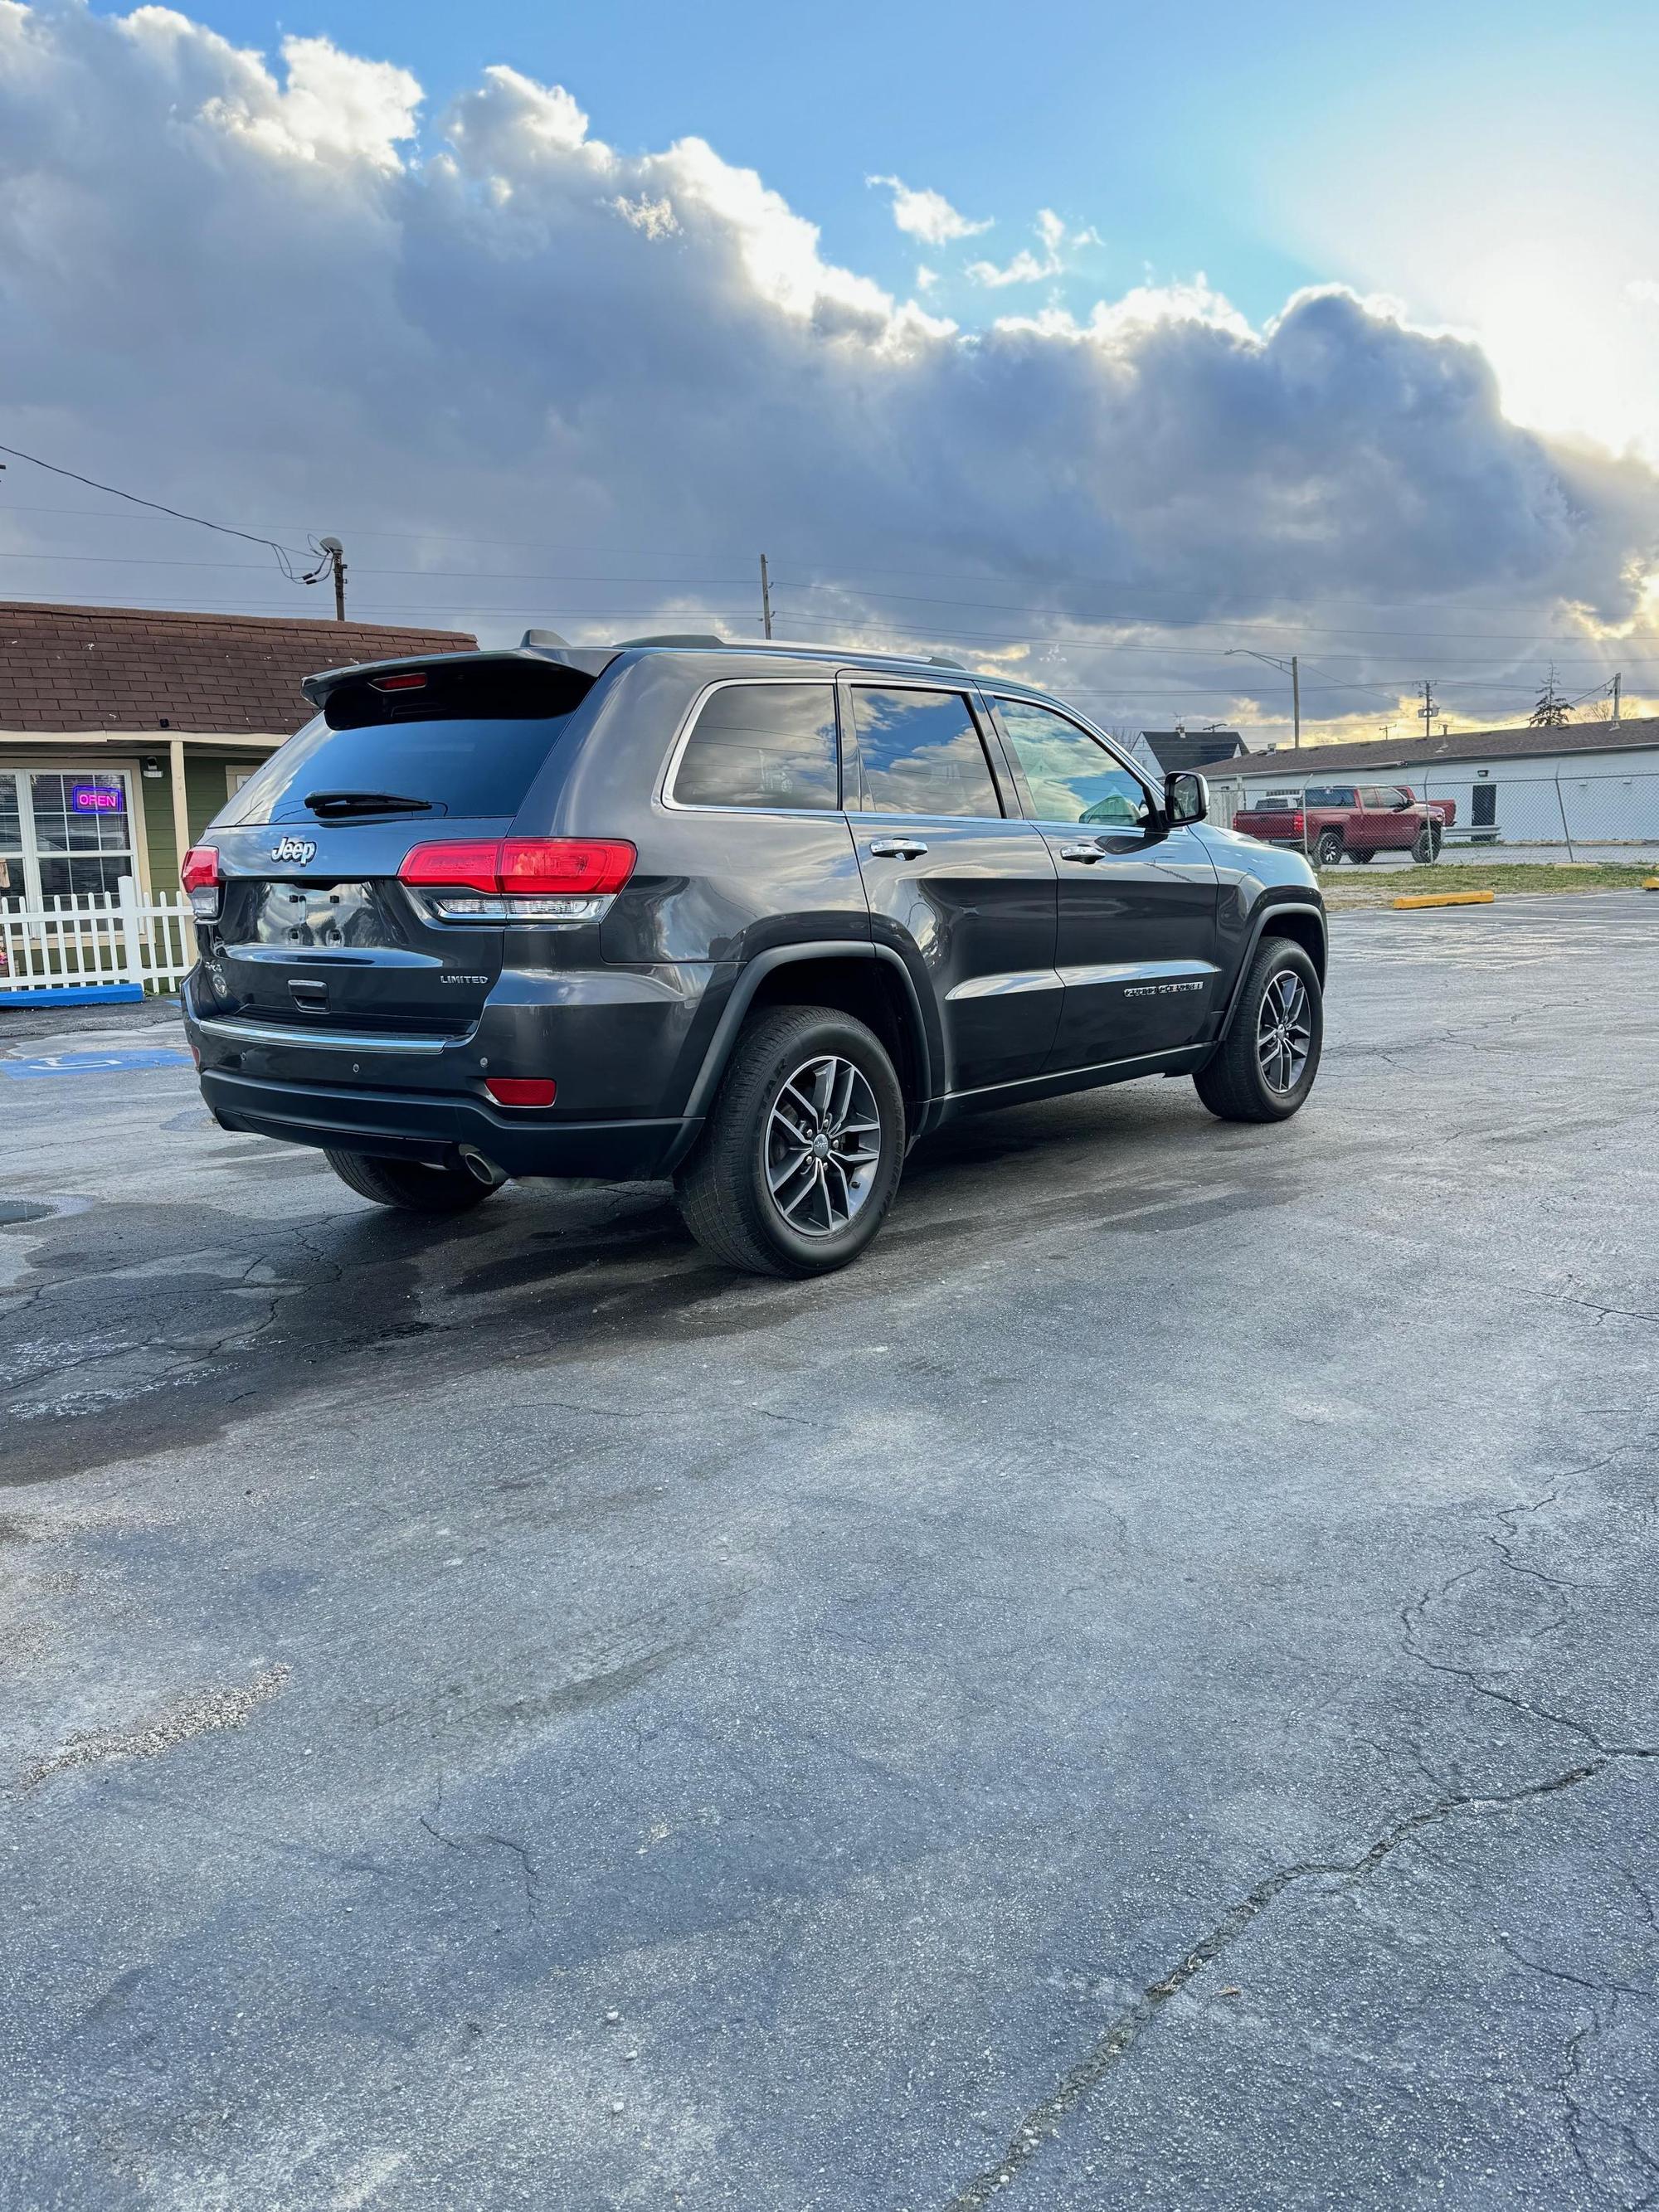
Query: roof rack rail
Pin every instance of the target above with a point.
(676, 637)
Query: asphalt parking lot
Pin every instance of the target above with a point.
(1141, 1693)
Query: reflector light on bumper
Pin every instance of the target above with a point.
(557, 879)
(521, 1089)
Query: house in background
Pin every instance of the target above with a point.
(124, 730)
(1165, 752)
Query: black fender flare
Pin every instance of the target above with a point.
(1286, 901)
(754, 973)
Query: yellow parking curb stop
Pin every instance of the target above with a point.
(1446, 898)
(1650, 883)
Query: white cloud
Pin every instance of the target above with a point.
(1028, 268)
(244, 288)
(927, 215)
(1023, 268)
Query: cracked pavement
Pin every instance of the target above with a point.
(1142, 1693)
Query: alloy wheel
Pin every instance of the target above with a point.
(1284, 1030)
(823, 1145)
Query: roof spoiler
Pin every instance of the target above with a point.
(318, 688)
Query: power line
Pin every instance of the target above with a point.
(484, 575)
(285, 555)
(1288, 623)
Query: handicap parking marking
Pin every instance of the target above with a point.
(93, 1063)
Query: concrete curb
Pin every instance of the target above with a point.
(1446, 898)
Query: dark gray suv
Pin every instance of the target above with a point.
(753, 918)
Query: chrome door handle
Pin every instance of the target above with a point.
(1087, 853)
(895, 849)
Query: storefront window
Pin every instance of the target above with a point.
(64, 834)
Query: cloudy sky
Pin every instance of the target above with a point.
(1114, 351)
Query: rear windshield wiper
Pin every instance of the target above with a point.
(365, 802)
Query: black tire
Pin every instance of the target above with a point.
(724, 1191)
(1235, 1085)
(1328, 848)
(1439, 839)
(1425, 848)
(1363, 859)
(409, 1184)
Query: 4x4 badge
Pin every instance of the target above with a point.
(301, 849)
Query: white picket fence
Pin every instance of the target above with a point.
(97, 938)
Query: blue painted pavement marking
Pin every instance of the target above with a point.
(94, 1063)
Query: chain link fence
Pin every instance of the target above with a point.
(1487, 815)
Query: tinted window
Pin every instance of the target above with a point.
(762, 744)
(921, 754)
(1329, 795)
(1071, 777)
(464, 767)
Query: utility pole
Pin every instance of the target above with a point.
(766, 599)
(1426, 711)
(334, 554)
(1292, 667)
(1617, 682)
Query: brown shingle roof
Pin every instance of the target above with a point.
(1378, 755)
(132, 668)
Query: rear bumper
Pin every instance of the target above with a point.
(612, 1041)
(434, 1125)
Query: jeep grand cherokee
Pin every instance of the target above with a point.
(753, 918)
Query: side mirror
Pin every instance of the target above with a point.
(1186, 799)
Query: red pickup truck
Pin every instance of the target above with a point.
(1356, 819)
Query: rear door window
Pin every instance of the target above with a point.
(762, 746)
(921, 753)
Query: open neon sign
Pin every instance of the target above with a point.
(96, 799)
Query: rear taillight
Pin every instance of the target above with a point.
(520, 878)
(200, 877)
(1298, 825)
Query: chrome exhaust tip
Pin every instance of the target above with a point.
(482, 1170)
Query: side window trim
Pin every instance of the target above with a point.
(847, 680)
(852, 759)
(694, 715)
(1154, 800)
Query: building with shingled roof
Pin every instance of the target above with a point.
(123, 730)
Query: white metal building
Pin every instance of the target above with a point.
(1589, 784)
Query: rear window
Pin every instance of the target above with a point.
(459, 767)
(1330, 795)
(461, 735)
(763, 746)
